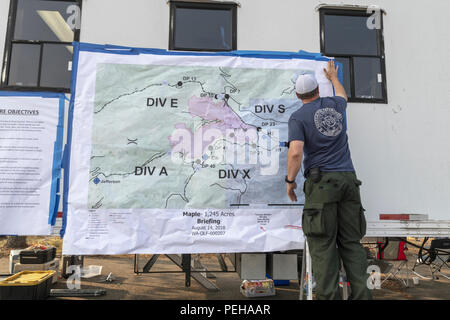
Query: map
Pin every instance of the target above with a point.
(182, 152)
(190, 137)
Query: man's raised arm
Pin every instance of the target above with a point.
(295, 156)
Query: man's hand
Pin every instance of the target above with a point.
(332, 75)
(290, 187)
(332, 71)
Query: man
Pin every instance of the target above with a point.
(333, 218)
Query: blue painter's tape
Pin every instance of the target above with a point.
(307, 53)
(32, 94)
(57, 160)
(341, 79)
(340, 71)
(57, 186)
(56, 174)
(55, 210)
(64, 157)
(76, 54)
(83, 46)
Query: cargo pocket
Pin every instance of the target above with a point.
(304, 187)
(313, 223)
(362, 222)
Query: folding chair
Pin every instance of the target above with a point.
(436, 257)
(393, 251)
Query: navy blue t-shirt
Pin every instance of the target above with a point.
(321, 125)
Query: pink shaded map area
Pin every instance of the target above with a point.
(207, 109)
(223, 117)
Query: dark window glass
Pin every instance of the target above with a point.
(368, 78)
(349, 35)
(56, 65)
(202, 26)
(346, 73)
(43, 20)
(39, 44)
(24, 66)
(358, 45)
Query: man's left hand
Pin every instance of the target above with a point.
(290, 187)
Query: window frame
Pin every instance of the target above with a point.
(226, 6)
(9, 42)
(380, 55)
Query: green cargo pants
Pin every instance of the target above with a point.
(333, 222)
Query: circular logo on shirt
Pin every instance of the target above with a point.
(328, 121)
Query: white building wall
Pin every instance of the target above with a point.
(137, 23)
(400, 149)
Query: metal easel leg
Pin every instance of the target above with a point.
(198, 277)
(183, 261)
(302, 273)
(223, 264)
(308, 273)
(343, 280)
(150, 263)
(198, 266)
(136, 267)
(186, 265)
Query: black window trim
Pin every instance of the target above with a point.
(361, 12)
(9, 41)
(200, 5)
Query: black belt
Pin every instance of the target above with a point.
(314, 174)
(312, 171)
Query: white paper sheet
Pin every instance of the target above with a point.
(28, 129)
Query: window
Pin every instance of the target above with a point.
(346, 36)
(38, 51)
(202, 26)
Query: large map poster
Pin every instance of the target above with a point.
(182, 152)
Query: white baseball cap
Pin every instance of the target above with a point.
(305, 83)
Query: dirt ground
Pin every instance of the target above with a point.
(168, 286)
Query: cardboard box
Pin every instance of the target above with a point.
(258, 288)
